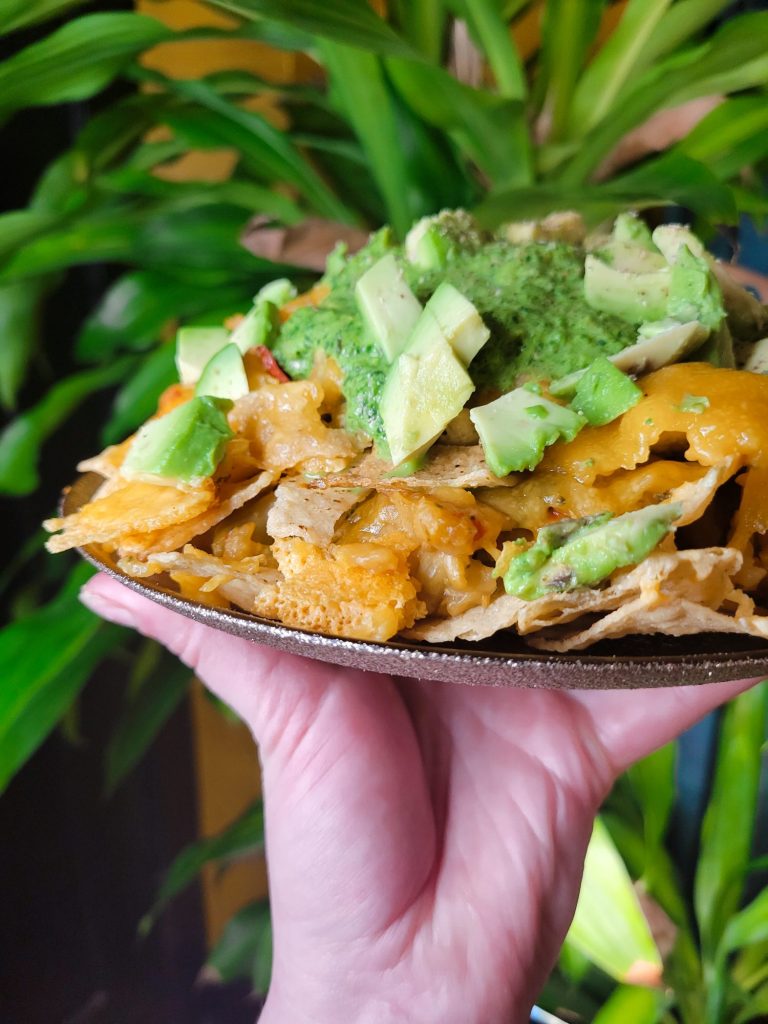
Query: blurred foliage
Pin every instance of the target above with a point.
(477, 103)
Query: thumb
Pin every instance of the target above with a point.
(265, 687)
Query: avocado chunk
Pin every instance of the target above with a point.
(694, 293)
(186, 444)
(387, 305)
(635, 298)
(603, 393)
(670, 344)
(194, 347)
(426, 387)
(278, 292)
(259, 326)
(435, 240)
(516, 428)
(563, 559)
(224, 375)
(629, 228)
(459, 321)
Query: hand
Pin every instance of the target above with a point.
(425, 842)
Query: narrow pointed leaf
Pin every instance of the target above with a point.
(680, 24)
(748, 927)
(345, 21)
(244, 836)
(77, 60)
(490, 28)
(19, 326)
(726, 837)
(609, 926)
(567, 31)
(21, 441)
(629, 1003)
(423, 25)
(245, 948)
(143, 718)
(614, 64)
(16, 14)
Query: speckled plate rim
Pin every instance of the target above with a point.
(704, 658)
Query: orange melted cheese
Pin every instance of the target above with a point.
(735, 422)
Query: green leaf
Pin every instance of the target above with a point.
(423, 25)
(140, 306)
(733, 58)
(609, 926)
(490, 130)
(491, 31)
(653, 780)
(568, 30)
(261, 145)
(361, 91)
(20, 227)
(76, 61)
(18, 14)
(245, 948)
(137, 399)
(19, 327)
(747, 927)
(726, 836)
(244, 836)
(669, 178)
(683, 21)
(613, 65)
(47, 657)
(731, 137)
(22, 439)
(143, 718)
(756, 1008)
(344, 21)
(629, 1003)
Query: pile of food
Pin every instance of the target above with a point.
(538, 431)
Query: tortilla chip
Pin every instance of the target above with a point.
(155, 506)
(476, 624)
(199, 563)
(696, 495)
(108, 462)
(299, 511)
(447, 466)
(231, 498)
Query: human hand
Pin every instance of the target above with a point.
(425, 842)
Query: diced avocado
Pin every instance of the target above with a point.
(426, 387)
(633, 297)
(459, 321)
(604, 392)
(224, 375)
(631, 258)
(694, 293)
(718, 349)
(589, 553)
(629, 228)
(410, 466)
(666, 346)
(194, 347)
(434, 241)
(670, 238)
(561, 226)
(277, 292)
(516, 428)
(186, 444)
(387, 305)
(258, 327)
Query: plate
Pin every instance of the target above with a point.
(634, 662)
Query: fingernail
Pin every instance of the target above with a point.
(106, 608)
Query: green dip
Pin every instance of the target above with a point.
(531, 297)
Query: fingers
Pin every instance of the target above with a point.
(632, 723)
(263, 685)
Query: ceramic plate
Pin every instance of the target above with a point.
(503, 660)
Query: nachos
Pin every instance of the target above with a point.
(538, 431)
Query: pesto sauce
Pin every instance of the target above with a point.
(530, 296)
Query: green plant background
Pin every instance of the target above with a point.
(387, 134)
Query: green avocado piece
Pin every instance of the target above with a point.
(426, 387)
(224, 375)
(387, 305)
(516, 428)
(194, 347)
(694, 293)
(278, 292)
(259, 326)
(186, 444)
(563, 559)
(629, 228)
(635, 298)
(434, 241)
(603, 392)
(459, 321)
